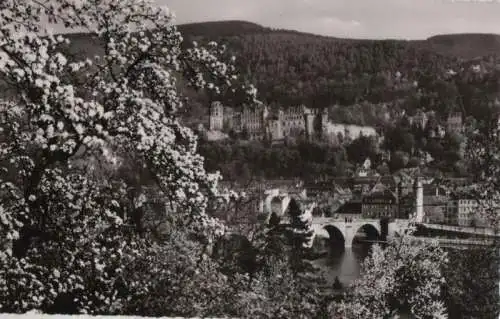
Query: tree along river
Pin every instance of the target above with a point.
(345, 263)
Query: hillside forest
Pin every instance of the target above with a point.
(365, 82)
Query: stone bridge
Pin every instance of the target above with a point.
(340, 229)
(345, 231)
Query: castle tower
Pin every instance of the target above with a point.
(275, 130)
(264, 120)
(324, 122)
(454, 123)
(281, 115)
(419, 200)
(216, 116)
(265, 113)
(309, 124)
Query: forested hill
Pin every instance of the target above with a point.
(291, 67)
(461, 45)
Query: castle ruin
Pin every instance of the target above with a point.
(260, 123)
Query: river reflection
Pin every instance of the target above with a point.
(344, 263)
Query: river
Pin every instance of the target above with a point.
(345, 263)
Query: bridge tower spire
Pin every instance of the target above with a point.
(419, 199)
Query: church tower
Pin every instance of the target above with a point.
(419, 200)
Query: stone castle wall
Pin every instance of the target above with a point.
(293, 122)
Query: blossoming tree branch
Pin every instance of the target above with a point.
(57, 220)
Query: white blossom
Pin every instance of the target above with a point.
(69, 108)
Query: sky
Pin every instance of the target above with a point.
(373, 19)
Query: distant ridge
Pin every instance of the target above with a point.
(221, 28)
(461, 45)
(466, 45)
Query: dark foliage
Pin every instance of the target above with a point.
(239, 160)
(472, 279)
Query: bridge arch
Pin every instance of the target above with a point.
(372, 232)
(335, 234)
(278, 202)
(327, 237)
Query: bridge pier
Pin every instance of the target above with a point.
(349, 235)
(338, 227)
